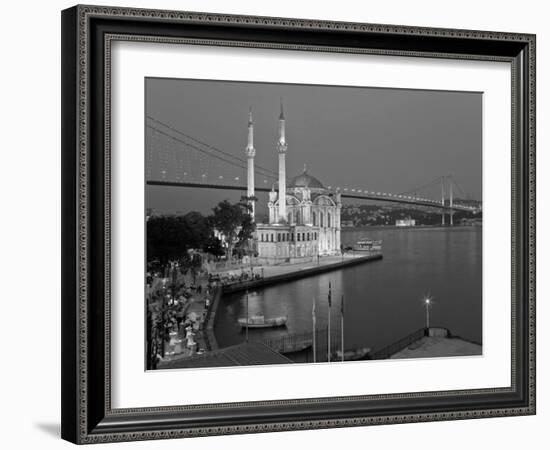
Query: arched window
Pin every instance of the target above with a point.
(314, 219)
(328, 220)
(321, 219)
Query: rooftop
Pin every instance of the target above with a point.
(437, 346)
(305, 180)
(247, 354)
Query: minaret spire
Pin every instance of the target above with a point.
(250, 145)
(282, 126)
(281, 148)
(250, 153)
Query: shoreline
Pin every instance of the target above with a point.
(416, 227)
(295, 273)
(210, 320)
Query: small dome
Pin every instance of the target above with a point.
(305, 180)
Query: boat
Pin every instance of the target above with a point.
(352, 355)
(368, 245)
(262, 322)
(287, 346)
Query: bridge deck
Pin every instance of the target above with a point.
(381, 198)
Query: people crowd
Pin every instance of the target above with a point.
(176, 324)
(174, 291)
(229, 278)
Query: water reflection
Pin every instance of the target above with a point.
(382, 299)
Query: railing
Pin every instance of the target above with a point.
(291, 342)
(391, 349)
(210, 320)
(304, 341)
(298, 342)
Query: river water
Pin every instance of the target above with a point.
(382, 298)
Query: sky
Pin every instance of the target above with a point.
(388, 140)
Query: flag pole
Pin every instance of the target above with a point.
(329, 305)
(314, 332)
(247, 315)
(342, 326)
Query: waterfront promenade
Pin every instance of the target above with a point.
(272, 274)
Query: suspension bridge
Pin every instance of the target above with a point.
(178, 159)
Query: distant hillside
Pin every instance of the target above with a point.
(367, 215)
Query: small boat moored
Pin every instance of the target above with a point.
(262, 322)
(352, 355)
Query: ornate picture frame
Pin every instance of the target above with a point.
(88, 33)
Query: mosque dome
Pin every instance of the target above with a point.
(305, 180)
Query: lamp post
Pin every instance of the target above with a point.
(427, 303)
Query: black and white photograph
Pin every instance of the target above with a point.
(296, 223)
(275, 225)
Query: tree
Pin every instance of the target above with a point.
(248, 226)
(169, 237)
(227, 218)
(166, 238)
(195, 264)
(198, 229)
(235, 223)
(214, 246)
(245, 234)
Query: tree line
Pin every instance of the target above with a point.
(169, 237)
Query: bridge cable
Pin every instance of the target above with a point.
(261, 169)
(239, 163)
(433, 182)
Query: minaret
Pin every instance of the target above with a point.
(281, 148)
(250, 153)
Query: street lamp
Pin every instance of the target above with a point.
(427, 300)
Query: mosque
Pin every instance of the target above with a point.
(304, 216)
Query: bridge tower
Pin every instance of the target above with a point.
(281, 149)
(443, 201)
(250, 153)
(451, 212)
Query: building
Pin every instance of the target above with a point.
(304, 216)
(408, 222)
